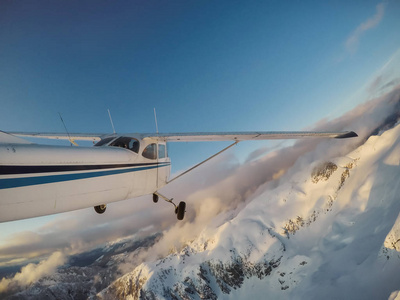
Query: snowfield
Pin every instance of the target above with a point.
(327, 229)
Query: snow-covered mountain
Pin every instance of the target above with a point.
(85, 274)
(330, 230)
(315, 220)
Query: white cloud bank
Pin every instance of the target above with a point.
(33, 272)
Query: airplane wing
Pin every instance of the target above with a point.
(197, 136)
(243, 136)
(62, 136)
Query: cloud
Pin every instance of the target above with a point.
(394, 295)
(388, 78)
(33, 272)
(82, 230)
(218, 202)
(353, 40)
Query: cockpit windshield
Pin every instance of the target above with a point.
(104, 141)
(123, 142)
(127, 143)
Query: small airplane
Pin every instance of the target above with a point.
(38, 180)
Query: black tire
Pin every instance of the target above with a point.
(100, 209)
(155, 198)
(180, 213)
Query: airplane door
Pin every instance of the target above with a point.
(164, 166)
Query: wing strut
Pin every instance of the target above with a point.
(199, 164)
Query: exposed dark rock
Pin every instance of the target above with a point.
(323, 171)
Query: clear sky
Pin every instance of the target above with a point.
(204, 65)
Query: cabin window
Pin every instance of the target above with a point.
(150, 151)
(127, 143)
(104, 141)
(162, 153)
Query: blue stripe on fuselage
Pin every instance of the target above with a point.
(8, 183)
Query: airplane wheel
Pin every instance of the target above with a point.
(155, 198)
(180, 210)
(100, 209)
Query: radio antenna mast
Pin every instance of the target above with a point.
(112, 124)
(155, 118)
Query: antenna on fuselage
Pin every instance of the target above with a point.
(155, 119)
(112, 124)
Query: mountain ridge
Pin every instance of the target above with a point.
(279, 251)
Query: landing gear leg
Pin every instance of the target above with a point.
(179, 210)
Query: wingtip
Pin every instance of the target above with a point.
(349, 134)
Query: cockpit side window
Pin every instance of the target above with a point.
(127, 143)
(150, 151)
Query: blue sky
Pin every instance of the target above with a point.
(204, 65)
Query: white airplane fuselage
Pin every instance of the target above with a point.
(38, 180)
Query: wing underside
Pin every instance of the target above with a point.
(243, 136)
(62, 136)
